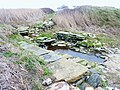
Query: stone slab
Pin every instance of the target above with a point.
(35, 49)
(67, 70)
(50, 57)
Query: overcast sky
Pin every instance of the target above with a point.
(56, 3)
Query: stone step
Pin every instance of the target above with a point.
(67, 70)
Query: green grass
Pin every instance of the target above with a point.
(18, 38)
(46, 34)
(47, 72)
(31, 62)
(107, 16)
(36, 86)
(2, 25)
(8, 54)
(104, 84)
(109, 41)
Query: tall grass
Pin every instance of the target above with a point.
(20, 16)
(87, 15)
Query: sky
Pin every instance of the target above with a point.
(56, 3)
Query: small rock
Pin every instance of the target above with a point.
(26, 37)
(93, 71)
(80, 81)
(77, 49)
(62, 86)
(83, 86)
(94, 80)
(61, 45)
(112, 88)
(89, 88)
(59, 86)
(103, 57)
(47, 82)
(99, 88)
(74, 88)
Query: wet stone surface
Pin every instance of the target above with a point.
(94, 80)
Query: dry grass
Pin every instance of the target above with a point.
(98, 20)
(86, 16)
(20, 16)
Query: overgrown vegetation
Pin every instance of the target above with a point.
(30, 62)
(110, 41)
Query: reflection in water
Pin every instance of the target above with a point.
(65, 50)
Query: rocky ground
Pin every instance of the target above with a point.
(24, 65)
(68, 73)
(113, 72)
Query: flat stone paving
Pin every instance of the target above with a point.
(48, 56)
(61, 68)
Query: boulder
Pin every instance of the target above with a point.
(94, 80)
(67, 70)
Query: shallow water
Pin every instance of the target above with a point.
(65, 50)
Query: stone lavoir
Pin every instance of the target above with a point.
(71, 71)
(83, 45)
